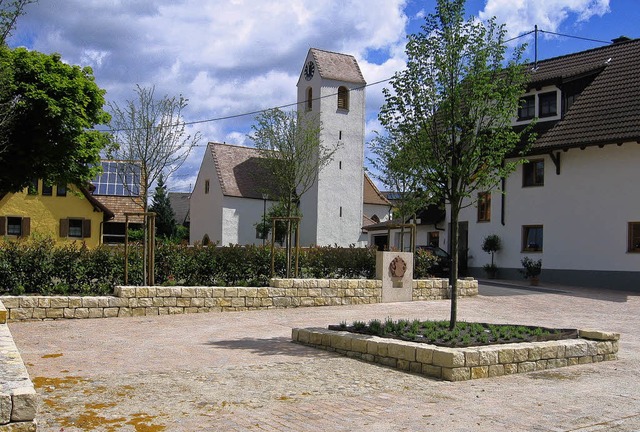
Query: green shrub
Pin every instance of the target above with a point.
(40, 266)
(423, 262)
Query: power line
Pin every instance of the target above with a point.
(576, 37)
(253, 113)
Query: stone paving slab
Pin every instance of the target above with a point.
(239, 371)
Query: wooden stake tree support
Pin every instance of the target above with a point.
(149, 247)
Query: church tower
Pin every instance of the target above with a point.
(331, 86)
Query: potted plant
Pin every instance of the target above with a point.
(532, 269)
(491, 270)
(491, 244)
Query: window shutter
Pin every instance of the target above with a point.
(86, 228)
(26, 227)
(64, 227)
(3, 225)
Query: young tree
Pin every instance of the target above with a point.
(54, 109)
(151, 132)
(165, 218)
(452, 106)
(289, 143)
(10, 10)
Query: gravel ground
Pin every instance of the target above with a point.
(239, 371)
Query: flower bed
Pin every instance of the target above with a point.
(460, 364)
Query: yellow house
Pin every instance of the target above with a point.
(67, 214)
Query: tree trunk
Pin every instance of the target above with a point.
(453, 274)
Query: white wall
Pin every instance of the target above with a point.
(382, 211)
(205, 209)
(340, 183)
(239, 216)
(584, 212)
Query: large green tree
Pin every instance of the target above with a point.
(452, 107)
(55, 107)
(10, 11)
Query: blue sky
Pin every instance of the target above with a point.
(236, 56)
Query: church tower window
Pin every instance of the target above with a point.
(309, 99)
(343, 98)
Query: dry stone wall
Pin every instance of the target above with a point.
(283, 293)
(18, 398)
(461, 364)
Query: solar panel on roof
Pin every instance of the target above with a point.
(118, 179)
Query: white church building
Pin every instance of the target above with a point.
(229, 196)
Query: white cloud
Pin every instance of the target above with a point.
(521, 16)
(227, 57)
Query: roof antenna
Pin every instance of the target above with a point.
(535, 64)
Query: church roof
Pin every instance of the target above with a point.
(240, 172)
(336, 66)
(371, 194)
(242, 175)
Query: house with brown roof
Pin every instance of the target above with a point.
(117, 188)
(65, 213)
(233, 190)
(575, 204)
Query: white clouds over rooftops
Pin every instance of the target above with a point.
(235, 56)
(521, 15)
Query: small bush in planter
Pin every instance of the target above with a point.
(491, 270)
(532, 269)
(491, 244)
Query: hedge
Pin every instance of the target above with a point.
(39, 266)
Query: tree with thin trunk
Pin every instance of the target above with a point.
(391, 163)
(453, 106)
(290, 147)
(151, 133)
(10, 11)
(291, 151)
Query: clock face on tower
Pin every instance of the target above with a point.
(309, 69)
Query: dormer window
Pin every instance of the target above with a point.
(548, 104)
(527, 108)
(343, 98)
(309, 99)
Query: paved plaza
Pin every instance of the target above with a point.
(238, 371)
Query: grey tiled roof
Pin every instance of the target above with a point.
(337, 66)
(180, 205)
(242, 175)
(240, 172)
(608, 109)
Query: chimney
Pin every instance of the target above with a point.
(620, 39)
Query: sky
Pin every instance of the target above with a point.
(231, 57)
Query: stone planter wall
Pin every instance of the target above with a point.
(18, 399)
(460, 364)
(143, 301)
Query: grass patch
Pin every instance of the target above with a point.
(463, 335)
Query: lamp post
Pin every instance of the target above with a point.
(264, 217)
